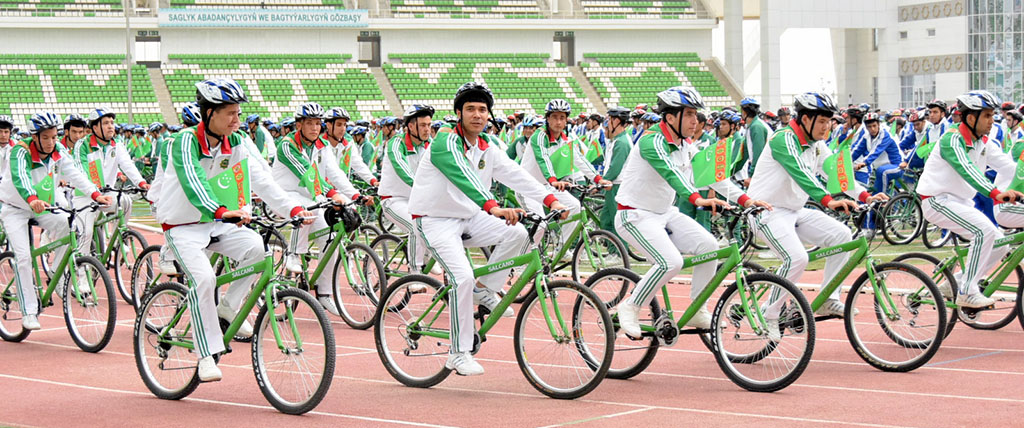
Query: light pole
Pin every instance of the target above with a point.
(128, 56)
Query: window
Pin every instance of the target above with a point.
(874, 39)
(903, 35)
(931, 32)
(916, 90)
(995, 61)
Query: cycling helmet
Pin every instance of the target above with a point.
(309, 110)
(1015, 115)
(288, 122)
(389, 121)
(99, 113)
(636, 114)
(437, 124)
(74, 120)
(219, 91)
(651, 117)
(174, 128)
(417, 110)
(6, 122)
(155, 126)
(678, 98)
(871, 117)
(42, 121)
(267, 123)
(337, 113)
(916, 116)
(190, 114)
(937, 103)
(359, 130)
(815, 103)
(1009, 105)
(363, 123)
(977, 100)
(473, 91)
(557, 105)
(771, 115)
(733, 118)
(750, 103)
(274, 127)
(531, 121)
(785, 111)
(451, 119)
(619, 112)
(252, 118)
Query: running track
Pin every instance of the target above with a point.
(974, 380)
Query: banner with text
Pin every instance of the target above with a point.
(211, 17)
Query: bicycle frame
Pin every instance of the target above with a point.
(859, 247)
(71, 241)
(994, 281)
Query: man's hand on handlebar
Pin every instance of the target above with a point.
(104, 200)
(1010, 196)
(556, 205)
(307, 217)
(605, 184)
(38, 206)
(757, 203)
(244, 217)
(712, 203)
(561, 185)
(510, 215)
(844, 206)
(877, 197)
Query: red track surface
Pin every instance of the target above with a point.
(973, 380)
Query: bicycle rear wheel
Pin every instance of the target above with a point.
(743, 346)
(391, 252)
(145, 275)
(903, 219)
(125, 255)
(1005, 306)
(601, 250)
(358, 279)
(901, 321)
(169, 371)
(632, 357)
(412, 358)
(90, 308)
(943, 279)
(10, 306)
(573, 360)
(294, 373)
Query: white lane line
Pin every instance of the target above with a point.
(597, 418)
(209, 401)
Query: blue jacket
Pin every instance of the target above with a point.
(886, 151)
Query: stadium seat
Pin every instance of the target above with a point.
(523, 81)
(632, 9)
(67, 84)
(446, 9)
(278, 84)
(61, 8)
(628, 79)
(322, 4)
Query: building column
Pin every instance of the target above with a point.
(771, 67)
(734, 39)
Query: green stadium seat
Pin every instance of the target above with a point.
(628, 79)
(466, 9)
(61, 8)
(633, 9)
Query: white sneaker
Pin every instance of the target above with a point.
(30, 322)
(83, 283)
(227, 314)
(946, 290)
(974, 301)
(167, 267)
(701, 319)
(628, 314)
(208, 370)
(436, 269)
(464, 364)
(833, 307)
(292, 263)
(489, 300)
(328, 303)
(772, 325)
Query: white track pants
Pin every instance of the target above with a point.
(650, 233)
(1010, 215)
(85, 221)
(960, 217)
(443, 238)
(188, 243)
(16, 224)
(396, 209)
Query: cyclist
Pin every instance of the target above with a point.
(516, 148)
(883, 156)
(451, 199)
(6, 136)
(755, 135)
(191, 213)
(916, 137)
(101, 160)
(938, 123)
(26, 190)
(949, 182)
(341, 143)
(786, 176)
(615, 155)
(374, 153)
(657, 167)
(299, 152)
(74, 130)
(784, 114)
(1013, 123)
(257, 132)
(402, 157)
(541, 161)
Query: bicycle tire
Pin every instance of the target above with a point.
(594, 239)
(947, 278)
(72, 294)
(11, 329)
(648, 346)
(966, 317)
(891, 235)
(358, 314)
(144, 329)
(124, 284)
(401, 294)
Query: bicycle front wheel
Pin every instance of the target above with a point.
(358, 280)
(90, 308)
(564, 340)
(632, 357)
(11, 329)
(407, 344)
(293, 352)
(163, 324)
(1004, 309)
(943, 278)
(145, 274)
(743, 343)
(898, 323)
(903, 219)
(601, 250)
(126, 254)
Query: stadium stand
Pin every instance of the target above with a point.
(68, 84)
(61, 8)
(628, 79)
(278, 84)
(329, 4)
(510, 9)
(519, 81)
(633, 9)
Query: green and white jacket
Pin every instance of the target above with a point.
(536, 158)
(454, 177)
(616, 152)
(183, 192)
(401, 161)
(350, 159)
(26, 168)
(788, 172)
(108, 159)
(294, 158)
(956, 167)
(656, 170)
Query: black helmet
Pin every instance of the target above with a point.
(619, 112)
(417, 110)
(937, 103)
(348, 216)
(473, 91)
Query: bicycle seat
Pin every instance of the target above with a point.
(33, 222)
(214, 239)
(466, 237)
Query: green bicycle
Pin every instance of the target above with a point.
(563, 334)
(90, 308)
(293, 352)
(116, 245)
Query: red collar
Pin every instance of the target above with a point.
(410, 147)
(225, 148)
(95, 142)
(968, 136)
(665, 132)
(66, 142)
(55, 156)
(799, 132)
(481, 142)
(559, 137)
(297, 139)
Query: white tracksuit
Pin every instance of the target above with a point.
(1007, 215)
(655, 172)
(952, 175)
(350, 160)
(401, 161)
(293, 160)
(107, 159)
(785, 176)
(451, 186)
(188, 208)
(25, 170)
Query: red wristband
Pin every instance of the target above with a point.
(490, 205)
(356, 197)
(994, 193)
(550, 199)
(331, 193)
(597, 179)
(32, 198)
(826, 200)
(552, 180)
(694, 197)
(373, 182)
(864, 196)
(142, 182)
(743, 200)
(95, 195)
(219, 213)
(295, 211)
